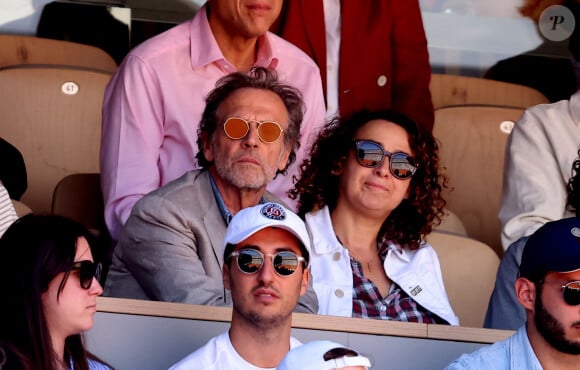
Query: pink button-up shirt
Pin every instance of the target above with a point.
(154, 102)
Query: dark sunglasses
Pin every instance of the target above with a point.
(371, 154)
(250, 261)
(87, 271)
(571, 293)
(237, 128)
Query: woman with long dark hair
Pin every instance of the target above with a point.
(49, 284)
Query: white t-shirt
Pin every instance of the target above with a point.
(219, 354)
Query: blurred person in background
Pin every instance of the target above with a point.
(372, 54)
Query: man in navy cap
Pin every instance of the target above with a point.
(549, 290)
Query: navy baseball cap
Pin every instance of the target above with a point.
(553, 247)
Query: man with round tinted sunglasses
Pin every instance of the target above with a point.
(170, 249)
(549, 290)
(149, 135)
(266, 254)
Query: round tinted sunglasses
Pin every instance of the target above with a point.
(250, 261)
(87, 271)
(237, 128)
(371, 154)
(571, 293)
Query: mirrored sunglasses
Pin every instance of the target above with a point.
(250, 261)
(371, 154)
(87, 271)
(571, 293)
(237, 128)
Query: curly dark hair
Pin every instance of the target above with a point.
(258, 78)
(573, 187)
(415, 216)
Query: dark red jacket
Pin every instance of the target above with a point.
(378, 38)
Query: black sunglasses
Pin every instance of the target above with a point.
(250, 261)
(87, 271)
(371, 154)
(571, 293)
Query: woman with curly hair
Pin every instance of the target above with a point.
(370, 192)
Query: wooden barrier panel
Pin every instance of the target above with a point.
(132, 334)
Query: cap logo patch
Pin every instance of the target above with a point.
(575, 231)
(273, 211)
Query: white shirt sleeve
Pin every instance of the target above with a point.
(7, 212)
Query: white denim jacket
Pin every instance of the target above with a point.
(417, 272)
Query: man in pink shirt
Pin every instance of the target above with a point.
(154, 102)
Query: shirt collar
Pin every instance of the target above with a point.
(521, 352)
(266, 52)
(202, 38)
(385, 244)
(328, 242)
(227, 215)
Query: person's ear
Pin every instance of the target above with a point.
(408, 192)
(207, 147)
(337, 167)
(283, 159)
(226, 276)
(526, 293)
(305, 280)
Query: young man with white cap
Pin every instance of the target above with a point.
(266, 253)
(323, 355)
(549, 290)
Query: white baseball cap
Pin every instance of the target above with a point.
(310, 356)
(250, 220)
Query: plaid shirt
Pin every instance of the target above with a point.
(397, 305)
